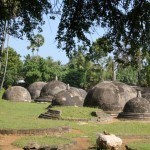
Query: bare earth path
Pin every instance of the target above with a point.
(7, 140)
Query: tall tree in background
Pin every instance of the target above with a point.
(40, 69)
(14, 67)
(145, 71)
(82, 72)
(35, 43)
(99, 52)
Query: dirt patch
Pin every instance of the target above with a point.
(82, 143)
(7, 140)
(76, 131)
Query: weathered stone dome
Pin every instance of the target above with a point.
(62, 98)
(17, 93)
(68, 97)
(80, 92)
(137, 105)
(109, 95)
(50, 90)
(136, 108)
(146, 96)
(35, 89)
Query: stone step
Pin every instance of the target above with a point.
(48, 117)
(54, 111)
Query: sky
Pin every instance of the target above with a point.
(50, 45)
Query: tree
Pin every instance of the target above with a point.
(145, 72)
(40, 69)
(21, 18)
(35, 43)
(99, 49)
(82, 72)
(14, 67)
(126, 22)
(127, 74)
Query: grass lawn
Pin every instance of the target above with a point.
(24, 115)
(41, 140)
(76, 112)
(140, 145)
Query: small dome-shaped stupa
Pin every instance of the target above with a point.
(69, 97)
(136, 108)
(50, 90)
(62, 98)
(109, 96)
(35, 89)
(17, 93)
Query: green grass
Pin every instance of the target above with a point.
(1, 92)
(23, 115)
(76, 112)
(41, 140)
(140, 145)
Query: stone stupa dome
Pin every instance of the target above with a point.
(50, 90)
(136, 108)
(17, 93)
(109, 96)
(35, 89)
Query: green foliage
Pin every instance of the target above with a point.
(39, 69)
(145, 72)
(13, 68)
(99, 49)
(31, 70)
(124, 21)
(23, 17)
(36, 42)
(127, 75)
(81, 71)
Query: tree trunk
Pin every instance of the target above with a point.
(2, 43)
(114, 71)
(6, 63)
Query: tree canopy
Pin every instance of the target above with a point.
(23, 16)
(126, 21)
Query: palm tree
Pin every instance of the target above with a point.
(35, 43)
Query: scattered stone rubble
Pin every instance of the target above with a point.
(101, 116)
(51, 114)
(98, 116)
